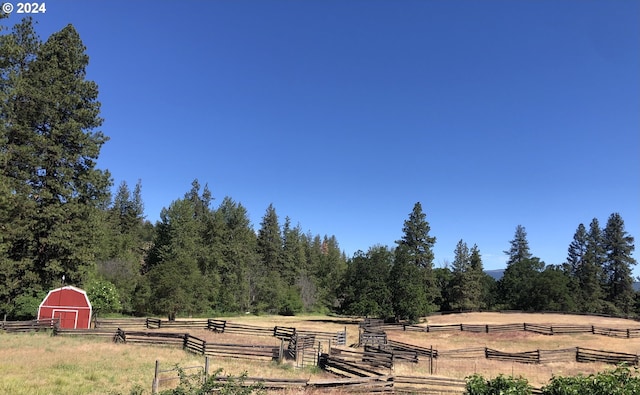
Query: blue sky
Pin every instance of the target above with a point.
(343, 114)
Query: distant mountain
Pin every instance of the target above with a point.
(498, 273)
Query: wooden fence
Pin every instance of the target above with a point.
(349, 363)
(30, 326)
(303, 349)
(200, 346)
(115, 323)
(106, 333)
(590, 355)
(629, 333)
(371, 337)
(361, 384)
(157, 323)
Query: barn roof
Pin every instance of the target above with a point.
(67, 288)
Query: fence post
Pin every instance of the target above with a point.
(281, 351)
(154, 386)
(206, 367)
(431, 359)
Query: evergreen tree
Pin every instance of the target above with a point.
(125, 244)
(618, 246)
(577, 251)
(460, 268)
(591, 274)
(270, 242)
(416, 240)
(444, 281)
(177, 261)
(517, 283)
(364, 289)
(467, 270)
(49, 113)
(291, 253)
(408, 298)
(474, 279)
(269, 287)
(332, 265)
(519, 250)
(414, 249)
(234, 242)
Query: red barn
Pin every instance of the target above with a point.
(69, 304)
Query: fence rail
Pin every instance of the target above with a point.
(628, 333)
(30, 326)
(590, 355)
(115, 323)
(106, 333)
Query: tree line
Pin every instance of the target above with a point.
(59, 223)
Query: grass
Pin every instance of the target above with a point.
(40, 364)
(537, 375)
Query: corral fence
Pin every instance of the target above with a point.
(302, 349)
(200, 346)
(30, 326)
(162, 376)
(577, 354)
(375, 383)
(115, 323)
(629, 333)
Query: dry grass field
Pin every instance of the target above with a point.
(41, 364)
(537, 375)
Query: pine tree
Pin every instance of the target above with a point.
(125, 244)
(416, 240)
(577, 251)
(408, 297)
(475, 280)
(519, 250)
(270, 241)
(517, 283)
(178, 260)
(49, 113)
(618, 246)
(591, 274)
(414, 250)
(291, 252)
(460, 270)
(233, 243)
(269, 286)
(467, 285)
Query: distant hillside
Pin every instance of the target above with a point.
(497, 275)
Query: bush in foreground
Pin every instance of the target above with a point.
(620, 381)
(197, 384)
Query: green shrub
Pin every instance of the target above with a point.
(196, 384)
(501, 385)
(620, 381)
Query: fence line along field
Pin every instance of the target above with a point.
(73, 364)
